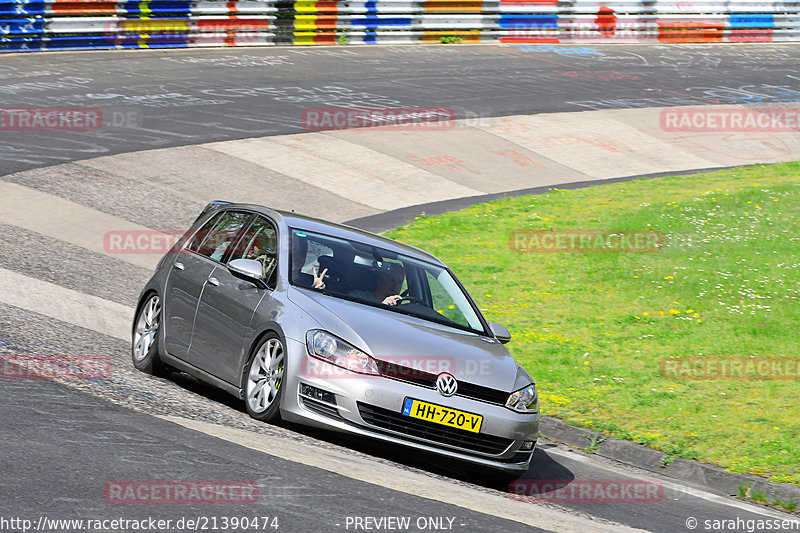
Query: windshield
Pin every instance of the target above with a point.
(374, 276)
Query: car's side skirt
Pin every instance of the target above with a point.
(202, 375)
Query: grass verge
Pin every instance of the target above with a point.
(597, 330)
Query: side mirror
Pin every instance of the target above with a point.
(499, 332)
(249, 270)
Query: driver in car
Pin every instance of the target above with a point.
(387, 286)
(259, 250)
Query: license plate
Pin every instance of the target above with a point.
(439, 414)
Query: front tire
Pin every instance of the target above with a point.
(264, 379)
(144, 346)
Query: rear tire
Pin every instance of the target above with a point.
(144, 345)
(264, 379)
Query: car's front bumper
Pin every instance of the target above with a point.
(372, 405)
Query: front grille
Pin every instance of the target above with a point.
(320, 408)
(404, 373)
(428, 380)
(432, 433)
(485, 394)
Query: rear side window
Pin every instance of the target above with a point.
(218, 234)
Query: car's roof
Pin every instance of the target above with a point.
(317, 225)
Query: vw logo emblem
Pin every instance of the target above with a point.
(446, 384)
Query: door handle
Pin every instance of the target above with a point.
(178, 266)
(213, 281)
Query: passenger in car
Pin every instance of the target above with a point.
(387, 286)
(299, 253)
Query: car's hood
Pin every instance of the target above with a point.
(412, 342)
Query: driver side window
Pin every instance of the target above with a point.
(259, 243)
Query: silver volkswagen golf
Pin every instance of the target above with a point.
(329, 326)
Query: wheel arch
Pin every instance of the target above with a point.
(142, 300)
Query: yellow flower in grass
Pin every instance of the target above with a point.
(674, 312)
(556, 400)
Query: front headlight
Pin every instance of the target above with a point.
(335, 351)
(524, 400)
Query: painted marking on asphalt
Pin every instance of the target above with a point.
(66, 305)
(348, 169)
(599, 146)
(409, 482)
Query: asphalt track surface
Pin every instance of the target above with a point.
(62, 425)
(60, 446)
(154, 99)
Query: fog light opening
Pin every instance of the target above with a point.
(315, 393)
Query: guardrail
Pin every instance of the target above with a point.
(66, 25)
